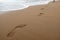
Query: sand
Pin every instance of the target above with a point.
(42, 22)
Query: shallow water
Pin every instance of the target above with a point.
(9, 5)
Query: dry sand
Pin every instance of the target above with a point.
(37, 22)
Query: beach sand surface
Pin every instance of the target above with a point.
(41, 22)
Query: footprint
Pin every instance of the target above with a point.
(21, 26)
(12, 33)
(40, 14)
(42, 9)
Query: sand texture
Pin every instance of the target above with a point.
(41, 22)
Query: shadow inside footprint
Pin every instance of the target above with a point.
(21, 26)
(40, 14)
(42, 9)
(12, 33)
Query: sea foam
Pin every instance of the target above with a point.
(9, 5)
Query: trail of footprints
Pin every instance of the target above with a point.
(12, 33)
(41, 12)
(44, 8)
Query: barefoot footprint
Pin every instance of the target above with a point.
(12, 33)
(40, 14)
(42, 9)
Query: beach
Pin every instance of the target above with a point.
(40, 22)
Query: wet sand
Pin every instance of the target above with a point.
(41, 22)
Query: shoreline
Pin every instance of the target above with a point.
(40, 22)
